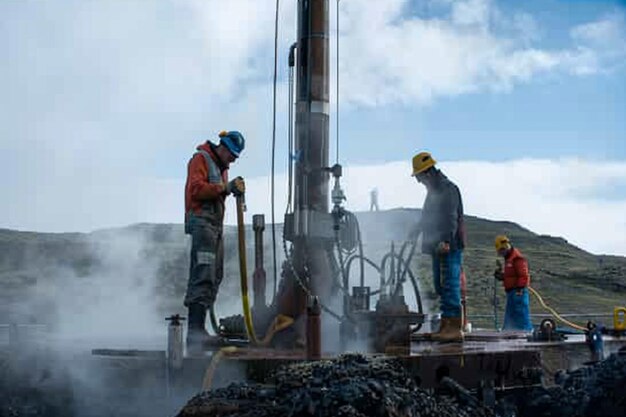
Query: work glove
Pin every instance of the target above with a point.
(236, 186)
(443, 248)
(498, 274)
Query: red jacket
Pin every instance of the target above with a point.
(198, 189)
(516, 273)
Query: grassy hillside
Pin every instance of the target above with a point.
(569, 278)
(139, 272)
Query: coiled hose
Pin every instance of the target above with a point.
(554, 312)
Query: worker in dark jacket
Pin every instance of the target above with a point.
(443, 238)
(205, 192)
(516, 279)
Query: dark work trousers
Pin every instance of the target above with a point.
(207, 262)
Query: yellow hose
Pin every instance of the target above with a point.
(243, 271)
(207, 381)
(554, 313)
(217, 357)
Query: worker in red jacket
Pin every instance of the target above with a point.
(516, 279)
(205, 192)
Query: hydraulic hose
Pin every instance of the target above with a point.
(213, 320)
(344, 275)
(243, 271)
(407, 262)
(554, 312)
(361, 256)
(363, 259)
(407, 271)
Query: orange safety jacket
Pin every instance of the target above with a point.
(516, 273)
(204, 187)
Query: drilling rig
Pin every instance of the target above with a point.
(309, 228)
(322, 241)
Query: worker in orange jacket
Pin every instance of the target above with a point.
(516, 279)
(205, 192)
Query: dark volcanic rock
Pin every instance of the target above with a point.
(351, 385)
(598, 390)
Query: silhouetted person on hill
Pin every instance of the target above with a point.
(374, 200)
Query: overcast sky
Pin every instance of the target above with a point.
(103, 102)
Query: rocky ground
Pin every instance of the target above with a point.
(118, 283)
(356, 386)
(350, 386)
(598, 390)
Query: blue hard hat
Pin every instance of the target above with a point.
(233, 140)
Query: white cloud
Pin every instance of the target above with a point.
(95, 92)
(580, 200)
(390, 56)
(576, 199)
(609, 31)
(601, 44)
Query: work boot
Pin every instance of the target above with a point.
(451, 332)
(198, 339)
(443, 323)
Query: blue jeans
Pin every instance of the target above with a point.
(517, 313)
(447, 281)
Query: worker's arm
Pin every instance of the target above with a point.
(199, 187)
(521, 270)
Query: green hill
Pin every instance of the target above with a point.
(141, 270)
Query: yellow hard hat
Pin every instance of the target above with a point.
(421, 162)
(502, 242)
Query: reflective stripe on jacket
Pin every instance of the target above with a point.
(516, 273)
(204, 188)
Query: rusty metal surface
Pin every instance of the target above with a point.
(505, 368)
(259, 279)
(490, 335)
(314, 330)
(466, 366)
(266, 353)
(135, 353)
(506, 359)
(388, 327)
(310, 254)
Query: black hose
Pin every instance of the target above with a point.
(213, 320)
(418, 297)
(412, 277)
(361, 257)
(401, 271)
(344, 276)
(276, 20)
(407, 261)
(383, 265)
